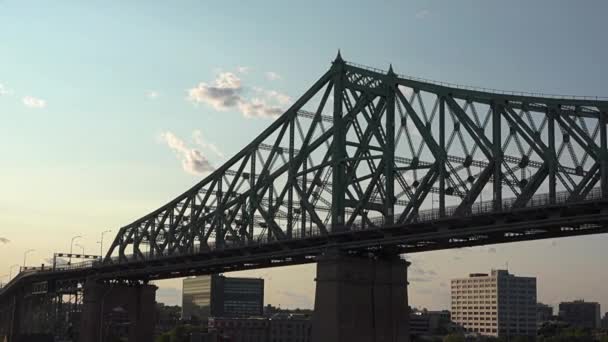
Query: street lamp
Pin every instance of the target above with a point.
(81, 247)
(72, 247)
(11, 272)
(101, 243)
(25, 255)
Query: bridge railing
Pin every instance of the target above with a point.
(481, 208)
(483, 89)
(429, 215)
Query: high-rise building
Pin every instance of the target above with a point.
(605, 321)
(497, 304)
(219, 296)
(581, 314)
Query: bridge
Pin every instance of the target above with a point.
(366, 165)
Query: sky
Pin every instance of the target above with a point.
(110, 108)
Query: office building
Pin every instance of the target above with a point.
(605, 321)
(581, 314)
(496, 304)
(219, 296)
(427, 323)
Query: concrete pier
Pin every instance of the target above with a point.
(361, 299)
(132, 306)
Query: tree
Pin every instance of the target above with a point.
(163, 338)
(454, 338)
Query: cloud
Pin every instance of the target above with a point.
(259, 108)
(4, 90)
(273, 95)
(33, 102)
(152, 94)
(243, 69)
(192, 159)
(273, 76)
(4, 240)
(197, 135)
(226, 92)
(422, 14)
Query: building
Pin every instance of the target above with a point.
(236, 329)
(544, 313)
(290, 328)
(605, 321)
(497, 304)
(581, 314)
(428, 323)
(219, 296)
(278, 328)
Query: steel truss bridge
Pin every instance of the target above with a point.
(368, 161)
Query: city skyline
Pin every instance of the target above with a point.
(118, 119)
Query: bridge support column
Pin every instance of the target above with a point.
(15, 319)
(111, 310)
(360, 299)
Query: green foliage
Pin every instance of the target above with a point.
(180, 333)
(569, 335)
(454, 338)
(163, 338)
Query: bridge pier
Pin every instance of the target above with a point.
(110, 310)
(361, 299)
(14, 326)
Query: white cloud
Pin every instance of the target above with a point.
(259, 108)
(33, 102)
(273, 76)
(280, 98)
(422, 14)
(4, 90)
(152, 94)
(243, 69)
(197, 135)
(222, 95)
(193, 161)
(226, 92)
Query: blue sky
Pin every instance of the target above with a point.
(90, 91)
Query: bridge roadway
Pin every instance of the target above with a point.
(539, 220)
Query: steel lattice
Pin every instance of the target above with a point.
(363, 149)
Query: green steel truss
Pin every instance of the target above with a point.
(364, 148)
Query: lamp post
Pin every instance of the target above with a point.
(101, 243)
(11, 272)
(72, 247)
(81, 247)
(25, 255)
